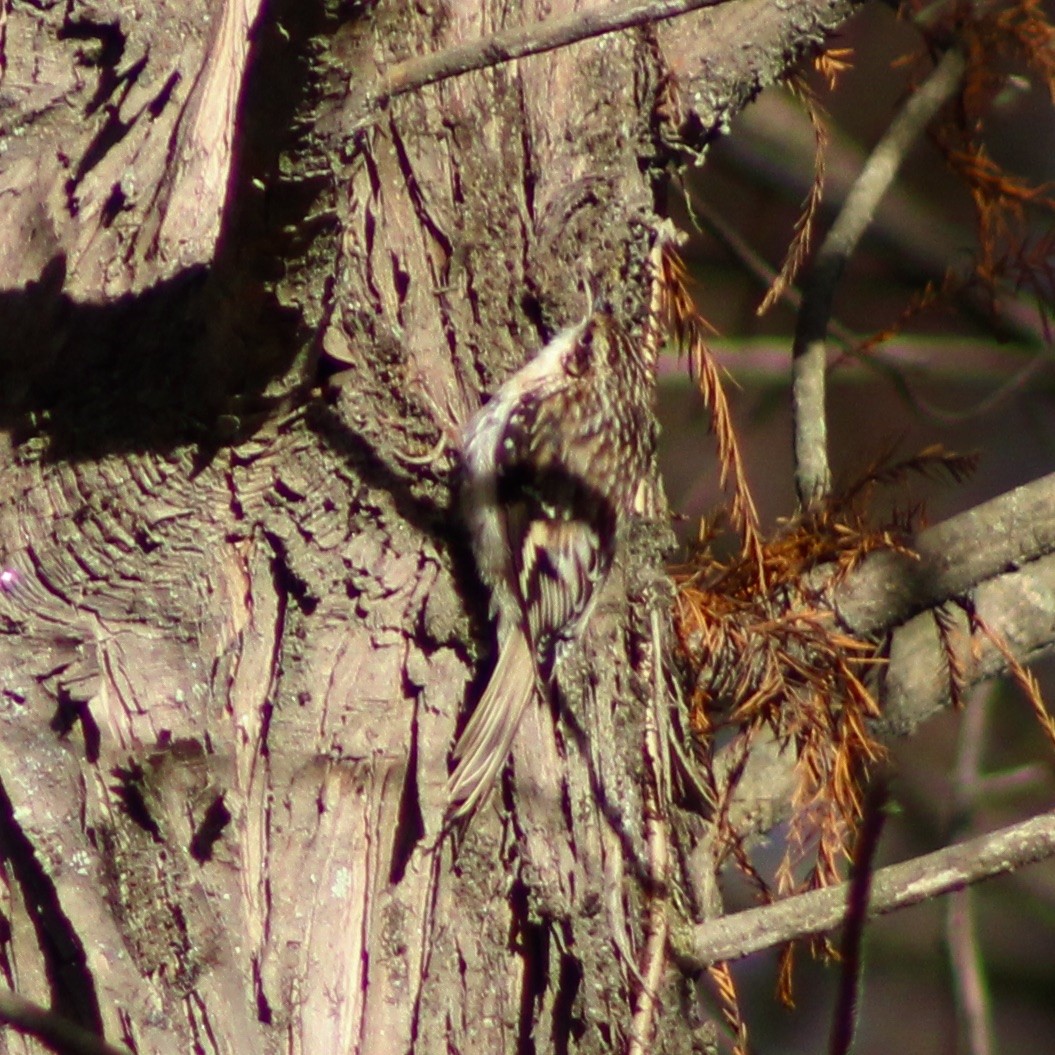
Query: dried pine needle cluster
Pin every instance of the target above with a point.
(763, 648)
(1010, 258)
(765, 653)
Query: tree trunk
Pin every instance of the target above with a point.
(240, 626)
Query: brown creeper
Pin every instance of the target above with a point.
(553, 463)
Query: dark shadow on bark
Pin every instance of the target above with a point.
(73, 994)
(186, 361)
(91, 379)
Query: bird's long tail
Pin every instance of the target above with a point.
(484, 745)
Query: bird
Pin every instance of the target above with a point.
(552, 466)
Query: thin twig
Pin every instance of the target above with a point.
(812, 472)
(706, 218)
(895, 887)
(1016, 781)
(1012, 386)
(658, 795)
(968, 980)
(972, 1003)
(54, 1031)
(844, 1018)
(516, 43)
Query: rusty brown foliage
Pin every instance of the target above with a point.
(760, 644)
(763, 644)
(682, 324)
(765, 652)
(722, 979)
(830, 64)
(1020, 676)
(799, 248)
(1009, 257)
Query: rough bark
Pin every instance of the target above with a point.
(244, 629)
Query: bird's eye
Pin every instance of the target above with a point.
(581, 355)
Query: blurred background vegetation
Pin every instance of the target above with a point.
(959, 376)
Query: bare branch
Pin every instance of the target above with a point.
(972, 1000)
(812, 474)
(888, 588)
(52, 1030)
(895, 887)
(844, 1018)
(533, 39)
(1012, 581)
(961, 935)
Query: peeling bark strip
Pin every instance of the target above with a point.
(227, 331)
(126, 131)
